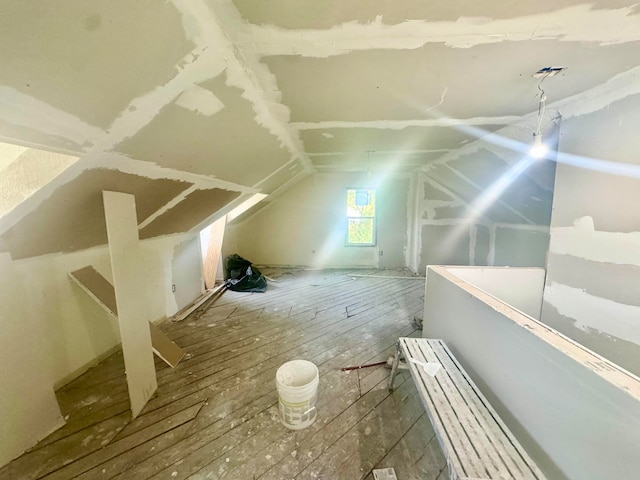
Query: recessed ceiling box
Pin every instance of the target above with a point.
(548, 71)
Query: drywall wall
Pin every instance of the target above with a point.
(52, 331)
(28, 407)
(592, 292)
(521, 245)
(307, 225)
(521, 288)
(186, 269)
(577, 414)
(450, 233)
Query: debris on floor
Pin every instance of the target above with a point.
(384, 474)
(387, 363)
(417, 322)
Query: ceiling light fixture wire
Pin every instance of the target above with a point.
(541, 104)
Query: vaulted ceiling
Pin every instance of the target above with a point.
(194, 105)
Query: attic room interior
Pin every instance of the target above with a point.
(373, 159)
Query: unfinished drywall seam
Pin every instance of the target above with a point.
(439, 186)
(523, 226)
(579, 23)
(513, 138)
(122, 163)
(473, 234)
(401, 124)
(416, 193)
(499, 201)
(216, 26)
(199, 65)
(174, 201)
(491, 258)
(582, 240)
(590, 312)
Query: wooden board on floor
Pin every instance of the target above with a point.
(164, 347)
(99, 288)
(214, 250)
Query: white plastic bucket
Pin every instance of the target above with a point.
(297, 384)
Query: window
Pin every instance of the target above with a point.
(361, 217)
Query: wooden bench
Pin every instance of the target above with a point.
(475, 441)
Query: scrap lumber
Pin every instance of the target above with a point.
(101, 290)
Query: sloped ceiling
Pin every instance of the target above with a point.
(221, 99)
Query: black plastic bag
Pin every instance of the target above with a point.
(240, 276)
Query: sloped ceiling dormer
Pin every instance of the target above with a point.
(195, 105)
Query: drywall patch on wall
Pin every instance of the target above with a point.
(591, 312)
(200, 100)
(623, 352)
(622, 284)
(579, 23)
(584, 241)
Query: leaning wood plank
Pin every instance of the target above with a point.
(133, 315)
(184, 313)
(166, 349)
(214, 251)
(99, 288)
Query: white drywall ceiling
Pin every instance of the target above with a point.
(245, 97)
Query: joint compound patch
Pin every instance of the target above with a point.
(200, 100)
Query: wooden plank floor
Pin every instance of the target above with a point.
(215, 415)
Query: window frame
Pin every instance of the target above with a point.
(373, 218)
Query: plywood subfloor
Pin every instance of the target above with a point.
(215, 415)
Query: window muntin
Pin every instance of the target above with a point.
(361, 216)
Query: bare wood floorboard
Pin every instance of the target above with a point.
(215, 415)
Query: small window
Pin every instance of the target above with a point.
(361, 217)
